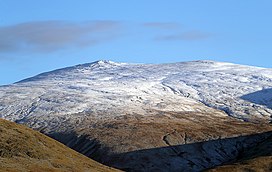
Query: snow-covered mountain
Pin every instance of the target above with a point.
(112, 102)
(104, 86)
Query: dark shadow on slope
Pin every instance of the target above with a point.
(249, 160)
(262, 97)
(188, 157)
(82, 144)
(264, 148)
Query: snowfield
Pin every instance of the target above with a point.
(105, 86)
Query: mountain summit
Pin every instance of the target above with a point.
(115, 108)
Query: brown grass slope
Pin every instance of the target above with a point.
(23, 149)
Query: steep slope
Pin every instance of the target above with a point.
(257, 158)
(106, 110)
(22, 149)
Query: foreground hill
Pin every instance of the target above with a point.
(22, 149)
(148, 117)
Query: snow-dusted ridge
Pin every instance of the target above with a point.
(96, 64)
(120, 88)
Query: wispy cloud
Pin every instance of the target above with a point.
(186, 36)
(162, 25)
(172, 31)
(50, 36)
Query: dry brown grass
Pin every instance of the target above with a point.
(259, 164)
(130, 133)
(23, 149)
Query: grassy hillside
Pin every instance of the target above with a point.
(23, 149)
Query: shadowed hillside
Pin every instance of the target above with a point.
(262, 97)
(23, 149)
(258, 158)
(244, 152)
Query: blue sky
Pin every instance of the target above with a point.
(38, 36)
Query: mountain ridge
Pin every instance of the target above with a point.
(109, 62)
